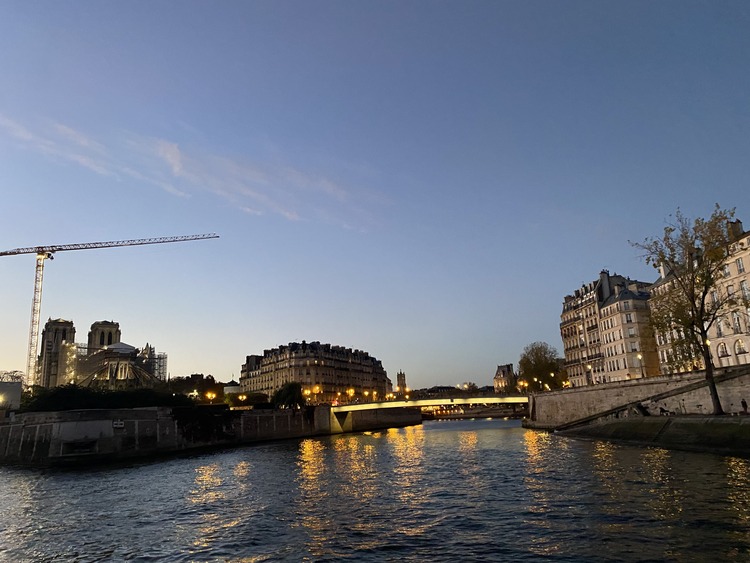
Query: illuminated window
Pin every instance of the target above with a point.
(722, 350)
(739, 347)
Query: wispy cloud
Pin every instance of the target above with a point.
(255, 188)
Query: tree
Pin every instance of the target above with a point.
(289, 396)
(686, 301)
(539, 367)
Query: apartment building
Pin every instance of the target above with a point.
(604, 329)
(327, 373)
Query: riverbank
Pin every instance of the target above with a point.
(95, 436)
(726, 435)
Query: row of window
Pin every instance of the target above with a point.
(737, 264)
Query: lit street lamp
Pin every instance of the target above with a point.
(640, 363)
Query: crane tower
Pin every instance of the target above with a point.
(47, 252)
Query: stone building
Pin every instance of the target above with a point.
(401, 386)
(57, 356)
(102, 334)
(505, 379)
(628, 342)
(327, 373)
(730, 335)
(104, 361)
(582, 330)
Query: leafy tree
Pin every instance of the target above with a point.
(687, 302)
(540, 360)
(289, 396)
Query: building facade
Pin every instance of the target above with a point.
(505, 379)
(327, 373)
(104, 361)
(603, 327)
(729, 336)
(57, 358)
(628, 343)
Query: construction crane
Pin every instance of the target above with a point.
(46, 252)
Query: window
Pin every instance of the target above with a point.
(628, 318)
(626, 305)
(722, 350)
(727, 273)
(740, 266)
(736, 323)
(631, 332)
(719, 331)
(714, 297)
(739, 347)
(745, 289)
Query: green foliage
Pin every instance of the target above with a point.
(540, 360)
(289, 396)
(72, 397)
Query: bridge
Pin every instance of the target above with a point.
(436, 402)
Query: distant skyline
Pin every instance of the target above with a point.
(424, 181)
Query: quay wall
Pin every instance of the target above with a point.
(724, 435)
(99, 435)
(555, 409)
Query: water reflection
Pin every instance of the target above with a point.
(460, 491)
(313, 491)
(407, 448)
(540, 511)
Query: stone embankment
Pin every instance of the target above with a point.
(665, 411)
(94, 436)
(727, 435)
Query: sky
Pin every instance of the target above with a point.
(422, 180)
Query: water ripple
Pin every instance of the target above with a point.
(445, 491)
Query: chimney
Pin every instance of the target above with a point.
(735, 230)
(605, 285)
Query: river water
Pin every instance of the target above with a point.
(472, 490)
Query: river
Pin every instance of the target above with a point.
(470, 490)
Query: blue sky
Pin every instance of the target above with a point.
(422, 180)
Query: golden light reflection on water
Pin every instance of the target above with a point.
(407, 445)
(667, 499)
(537, 445)
(355, 464)
(311, 479)
(208, 490)
(468, 446)
(738, 482)
(207, 483)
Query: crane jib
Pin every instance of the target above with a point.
(109, 244)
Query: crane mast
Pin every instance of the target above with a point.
(46, 252)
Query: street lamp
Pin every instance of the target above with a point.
(211, 396)
(640, 363)
(590, 374)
